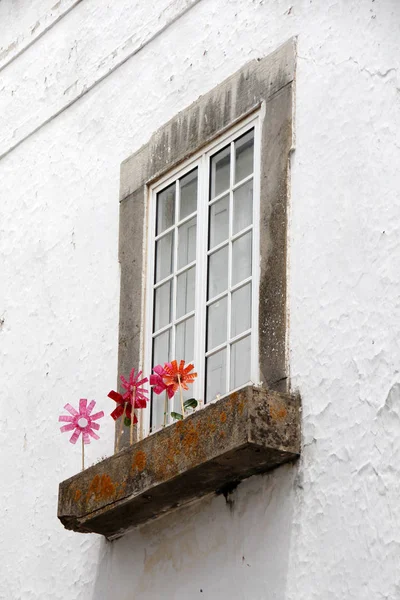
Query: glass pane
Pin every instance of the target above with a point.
(164, 256)
(166, 208)
(162, 348)
(187, 243)
(186, 284)
(220, 171)
(216, 375)
(157, 408)
(216, 323)
(219, 221)
(188, 197)
(161, 355)
(218, 272)
(242, 206)
(241, 310)
(241, 258)
(162, 305)
(240, 362)
(244, 153)
(184, 340)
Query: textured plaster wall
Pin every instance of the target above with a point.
(94, 81)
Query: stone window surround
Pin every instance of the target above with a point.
(266, 84)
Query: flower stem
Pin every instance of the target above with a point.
(181, 396)
(121, 428)
(165, 408)
(132, 414)
(83, 454)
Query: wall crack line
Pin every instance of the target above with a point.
(38, 36)
(90, 87)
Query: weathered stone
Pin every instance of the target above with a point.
(265, 84)
(251, 431)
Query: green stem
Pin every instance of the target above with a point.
(181, 396)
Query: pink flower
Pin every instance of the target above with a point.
(158, 383)
(82, 421)
(135, 392)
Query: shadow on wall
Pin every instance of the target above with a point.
(212, 549)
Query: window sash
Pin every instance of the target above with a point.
(202, 161)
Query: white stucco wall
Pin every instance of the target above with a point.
(94, 82)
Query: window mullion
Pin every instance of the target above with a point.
(255, 267)
(174, 270)
(201, 276)
(229, 312)
(149, 294)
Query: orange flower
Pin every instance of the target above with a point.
(175, 376)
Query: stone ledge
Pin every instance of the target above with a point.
(251, 431)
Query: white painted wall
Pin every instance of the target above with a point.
(330, 526)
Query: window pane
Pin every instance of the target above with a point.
(162, 348)
(185, 292)
(186, 243)
(164, 256)
(242, 206)
(218, 272)
(240, 362)
(216, 323)
(220, 171)
(219, 222)
(241, 258)
(241, 310)
(162, 305)
(188, 196)
(166, 208)
(184, 340)
(216, 375)
(161, 355)
(157, 408)
(244, 152)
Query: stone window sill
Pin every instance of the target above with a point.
(250, 431)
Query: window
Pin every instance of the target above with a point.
(203, 267)
(182, 220)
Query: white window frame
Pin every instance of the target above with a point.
(202, 160)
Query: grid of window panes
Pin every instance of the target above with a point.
(230, 267)
(174, 279)
(225, 262)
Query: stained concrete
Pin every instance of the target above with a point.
(249, 432)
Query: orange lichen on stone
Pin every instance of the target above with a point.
(240, 407)
(223, 417)
(190, 441)
(139, 461)
(78, 494)
(277, 412)
(101, 487)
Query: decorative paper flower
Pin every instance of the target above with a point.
(175, 375)
(82, 421)
(120, 400)
(158, 383)
(134, 389)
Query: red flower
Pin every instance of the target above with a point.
(134, 389)
(121, 402)
(178, 376)
(158, 383)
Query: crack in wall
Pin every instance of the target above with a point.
(88, 88)
(378, 73)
